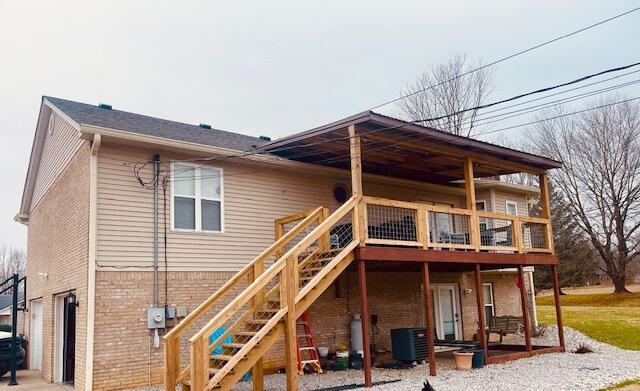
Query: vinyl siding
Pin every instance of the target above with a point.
(501, 198)
(57, 151)
(252, 201)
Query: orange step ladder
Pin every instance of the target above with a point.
(308, 348)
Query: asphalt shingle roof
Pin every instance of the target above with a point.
(86, 114)
(7, 300)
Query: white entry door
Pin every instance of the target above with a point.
(35, 344)
(446, 308)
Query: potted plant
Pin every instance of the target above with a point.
(463, 360)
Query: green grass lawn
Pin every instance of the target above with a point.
(610, 318)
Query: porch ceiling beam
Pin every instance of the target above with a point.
(459, 152)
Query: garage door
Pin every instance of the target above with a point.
(35, 344)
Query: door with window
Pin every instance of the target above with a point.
(35, 343)
(446, 311)
(487, 297)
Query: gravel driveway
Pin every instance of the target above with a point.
(557, 371)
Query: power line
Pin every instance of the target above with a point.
(541, 90)
(507, 57)
(545, 105)
(261, 150)
(563, 115)
(364, 152)
(560, 93)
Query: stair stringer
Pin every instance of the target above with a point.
(303, 304)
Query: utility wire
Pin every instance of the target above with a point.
(541, 90)
(508, 57)
(261, 150)
(507, 115)
(545, 105)
(336, 159)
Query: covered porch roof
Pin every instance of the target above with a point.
(402, 149)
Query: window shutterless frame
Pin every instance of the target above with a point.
(197, 197)
(514, 205)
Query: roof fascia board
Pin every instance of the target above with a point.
(62, 114)
(46, 108)
(509, 186)
(34, 162)
(88, 131)
(465, 141)
(353, 120)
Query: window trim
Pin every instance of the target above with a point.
(198, 198)
(506, 207)
(493, 302)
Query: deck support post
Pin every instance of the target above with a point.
(364, 311)
(556, 299)
(481, 312)
(470, 193)
(525, 310)
(359, 218)
(546, 208)
(426, 286)
(290, 336)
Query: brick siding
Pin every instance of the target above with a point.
(57, 244)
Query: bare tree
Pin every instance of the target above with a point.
(12, 261)
(600, 179)
(443, 90)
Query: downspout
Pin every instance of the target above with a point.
(91, 267)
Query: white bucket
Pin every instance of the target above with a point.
(323, 351)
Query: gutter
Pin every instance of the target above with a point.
(92, 259)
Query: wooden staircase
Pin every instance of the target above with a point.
(262, 302)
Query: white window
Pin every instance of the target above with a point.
(196, 198)
(487, 296)
(512, 208)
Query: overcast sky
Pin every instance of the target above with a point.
(272, 68)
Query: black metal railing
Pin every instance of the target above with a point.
(13, 284)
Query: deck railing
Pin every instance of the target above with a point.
(400, 223)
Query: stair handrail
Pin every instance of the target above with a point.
(277, 266)
(171, 339)
(199, 342)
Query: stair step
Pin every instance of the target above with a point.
(213, 371)
(245, 333)
(257, 321)
(233, 345)
(221, 357)
(303, 362)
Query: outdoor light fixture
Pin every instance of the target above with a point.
(467, 291)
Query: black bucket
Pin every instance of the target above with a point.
(477, 361)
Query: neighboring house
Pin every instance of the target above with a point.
(128, 214)
(6, 309)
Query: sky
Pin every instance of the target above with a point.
(275, 67)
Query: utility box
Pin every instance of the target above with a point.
(156, 317)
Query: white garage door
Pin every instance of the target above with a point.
(35, 344)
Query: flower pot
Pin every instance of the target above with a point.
(463, 360)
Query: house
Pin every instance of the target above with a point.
(6, 309)
(147, 236)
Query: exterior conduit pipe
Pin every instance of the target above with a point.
(156, 181)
